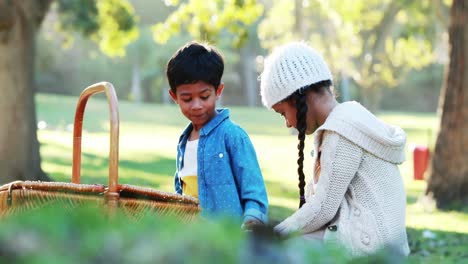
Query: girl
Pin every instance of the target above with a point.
(356, 196)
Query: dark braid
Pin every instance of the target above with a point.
(299, 97)
(301, 125)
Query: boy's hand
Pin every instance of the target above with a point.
(250, 224)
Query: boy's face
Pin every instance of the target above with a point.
(197, 101)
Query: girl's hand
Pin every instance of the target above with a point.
(285, 228)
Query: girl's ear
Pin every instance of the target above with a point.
(173, 95)
(219, 91)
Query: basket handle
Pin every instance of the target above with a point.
(108, 88)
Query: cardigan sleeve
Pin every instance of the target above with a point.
(340, 160)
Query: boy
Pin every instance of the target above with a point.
(216, 161)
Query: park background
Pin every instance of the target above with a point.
(392, 56)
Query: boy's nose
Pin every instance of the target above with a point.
(196, 104)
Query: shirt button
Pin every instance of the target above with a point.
(221, 155)
(365, 238)
(180, 158)
(357, 212)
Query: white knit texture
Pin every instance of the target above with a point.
(360, 189)
(288, 68)
(363, 128)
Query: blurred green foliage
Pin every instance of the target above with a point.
(109, 23)
(373, 43)
(63, 234)
(367, 53)
(208, 20)
(418, 92)
(437, 246)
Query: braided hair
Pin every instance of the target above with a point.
(301, 125)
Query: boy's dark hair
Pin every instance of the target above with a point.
(301, 125)
(195, 62)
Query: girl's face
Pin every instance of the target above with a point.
(197, 101)
(288, 110)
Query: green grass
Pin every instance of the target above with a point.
(148, 138)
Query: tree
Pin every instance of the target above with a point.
(448, 180)
(211, 21)
(151, 59)
(109, 23)
(373, 43)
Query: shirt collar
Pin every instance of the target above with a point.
(222, 114)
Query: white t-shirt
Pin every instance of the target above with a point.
(189, 172)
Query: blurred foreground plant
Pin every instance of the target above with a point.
(85, 235)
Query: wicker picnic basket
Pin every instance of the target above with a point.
(135, 201)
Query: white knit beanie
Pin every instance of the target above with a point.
(288, 68)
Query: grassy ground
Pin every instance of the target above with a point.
(148, 138)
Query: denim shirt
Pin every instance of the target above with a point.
(230, 182)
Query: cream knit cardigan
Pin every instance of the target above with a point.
(360, 190)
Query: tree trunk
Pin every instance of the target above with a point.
(136, 83)
(448, 182)
(344, 88)
(19, 147)
(299, 19)
(373, 97)
(248, 73)
(383, 31)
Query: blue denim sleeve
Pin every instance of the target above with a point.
(249, 179)
(177, 185)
